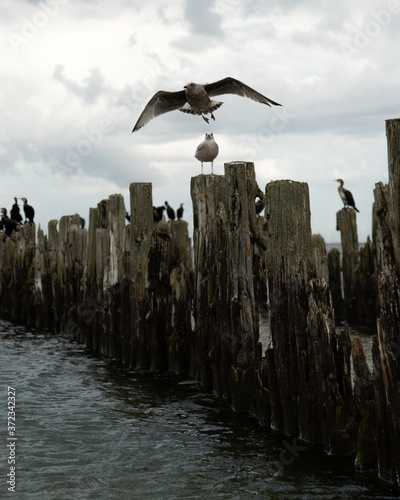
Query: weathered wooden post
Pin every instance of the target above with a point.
(226, 313)
(347, 225)
(141, 203)
(160, 265)
(301, 364)
(366, 284)
(321, 256)
(365, 410)
(393, 143)
(386, 349)
(335, 282)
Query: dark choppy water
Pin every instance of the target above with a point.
(88, 429)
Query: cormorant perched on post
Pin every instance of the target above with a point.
(260, 205)
(160, 212)
(8, 224)
(127, 217)
(29, 211)
(179, 212)
(170, 211)
(82, 222)
(346, 196)
(15, 212)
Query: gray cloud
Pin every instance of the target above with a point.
(202, 20)
(93, 85)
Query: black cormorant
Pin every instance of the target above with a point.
(160, 211)
(127, 217)
(346, 196)
(156, 217)
(82, 222)
(170, 211)
(179, 212)
(8, 224)
(260, 205)
(15, 212)
(29, 211)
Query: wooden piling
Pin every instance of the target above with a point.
(386, 350)
(335, 282)
(161, 294)
(321, 256)
(346, 223)
(393, 146)
(302, 326)
(365, 410)
(226, 314)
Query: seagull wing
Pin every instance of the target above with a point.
(162, 102)
(231, 86)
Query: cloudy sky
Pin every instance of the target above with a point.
(76, 75)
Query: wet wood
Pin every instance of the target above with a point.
(321, 256)
(304, 349)
(346, 223)
(226, 313)
(335, 282)
(393, 146)
(365, 410)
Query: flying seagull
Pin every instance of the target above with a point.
(207, 151)
(195, 99)
(346, 196)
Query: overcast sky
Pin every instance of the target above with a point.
(76, 74)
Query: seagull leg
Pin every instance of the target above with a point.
(206, 119)
(212, 164)
(201, 168)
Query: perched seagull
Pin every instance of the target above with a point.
(207, 151)
(346, 196)
(195, 99)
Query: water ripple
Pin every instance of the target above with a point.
(88, 429)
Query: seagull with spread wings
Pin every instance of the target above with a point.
(195, 99)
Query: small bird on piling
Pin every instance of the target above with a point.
(179, 212)
(346, 196)
(156, 217)
(170, 211)
(29, 211)
(160, 211)
(127, 217)
(15, 212)
(8, 224)
(82, 222)
(195, 99)
(207, 151)
(260, 205)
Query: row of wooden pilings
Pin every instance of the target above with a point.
(139, 293)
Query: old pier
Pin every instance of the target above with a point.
(145, 294)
